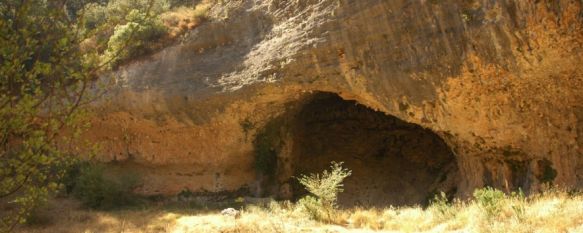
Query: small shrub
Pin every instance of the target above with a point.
(328, 185)
(325, 187)
(97, 191)
(133, 38)
(312, 206)
(490, 200)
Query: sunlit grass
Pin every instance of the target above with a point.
(549, 212)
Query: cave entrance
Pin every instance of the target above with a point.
(393, 162)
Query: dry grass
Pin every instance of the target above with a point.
(548, 212)
(182, 19)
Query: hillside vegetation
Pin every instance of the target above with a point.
(51, 52)
(121, 30)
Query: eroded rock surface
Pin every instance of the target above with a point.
(499, 81)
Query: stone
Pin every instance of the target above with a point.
(499, 82)
(230, 212)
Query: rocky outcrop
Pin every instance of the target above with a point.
(500, 81)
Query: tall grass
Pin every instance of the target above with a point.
(554, 211)
(490, 211)
(551, 211)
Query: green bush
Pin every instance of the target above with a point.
(490, 200)
(328, 185)
(119, 9)
(120, 30)
(325, 187)
(69, 180)
(115, 12)
(132, 39)
(97, 191)
(42, 80)
(313, 207)
(124, 29)
(94, 15)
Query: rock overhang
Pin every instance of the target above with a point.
(490, 77)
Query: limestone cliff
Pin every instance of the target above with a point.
(499, 82)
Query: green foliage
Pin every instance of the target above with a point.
(69, 180)
(123, 29)
(328, 185)
(113, 24)
(44, 76)
(132, 39)
(73, 7)
(95, 190)
(94, 15)
(114, 12)
(314, 208)
(43, 83)
(490, 200)
(118, 9)
(325, 187)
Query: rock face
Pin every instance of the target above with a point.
(496, 86)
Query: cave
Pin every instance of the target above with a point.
(393, 163)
